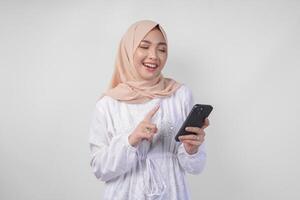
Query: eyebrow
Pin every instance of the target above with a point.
(160, 43)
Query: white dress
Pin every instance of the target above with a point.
(153, 170)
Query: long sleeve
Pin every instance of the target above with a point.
(194, 163)
(111, 156)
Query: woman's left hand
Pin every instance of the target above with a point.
(192, 142)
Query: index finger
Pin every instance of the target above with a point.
(152, 112)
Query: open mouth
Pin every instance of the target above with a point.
(150, 67)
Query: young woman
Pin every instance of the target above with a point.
(132, 131)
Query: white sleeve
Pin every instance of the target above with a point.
(193, 164)
(111, 156)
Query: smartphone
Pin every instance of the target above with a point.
(195, 118)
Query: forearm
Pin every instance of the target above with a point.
(192, 163)
(113, 160)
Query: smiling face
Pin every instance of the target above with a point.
(151, 55)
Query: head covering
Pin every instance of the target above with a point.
(126, 83)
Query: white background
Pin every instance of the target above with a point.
(242, 57)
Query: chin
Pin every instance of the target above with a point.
(150, 77)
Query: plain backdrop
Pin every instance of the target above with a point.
(57, 57)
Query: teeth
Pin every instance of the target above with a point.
(150, 65)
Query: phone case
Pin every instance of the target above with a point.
(195, 118)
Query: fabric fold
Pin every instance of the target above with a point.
(153, 184)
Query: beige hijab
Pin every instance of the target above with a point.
(126, 84)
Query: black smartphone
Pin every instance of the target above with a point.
(195, 118)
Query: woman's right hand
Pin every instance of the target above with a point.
(144, 130)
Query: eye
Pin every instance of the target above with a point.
(144, 47)
(162, 50)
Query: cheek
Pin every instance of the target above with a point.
(163, 58)
(138, 57)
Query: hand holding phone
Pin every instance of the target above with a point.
(195, 118)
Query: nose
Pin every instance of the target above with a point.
(153, 54)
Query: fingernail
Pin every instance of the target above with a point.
(187, 128)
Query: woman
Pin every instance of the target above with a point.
(132, 131)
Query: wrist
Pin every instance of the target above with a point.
(190, 151)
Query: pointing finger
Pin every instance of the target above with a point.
(151, 113)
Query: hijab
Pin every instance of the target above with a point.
(126, 83)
